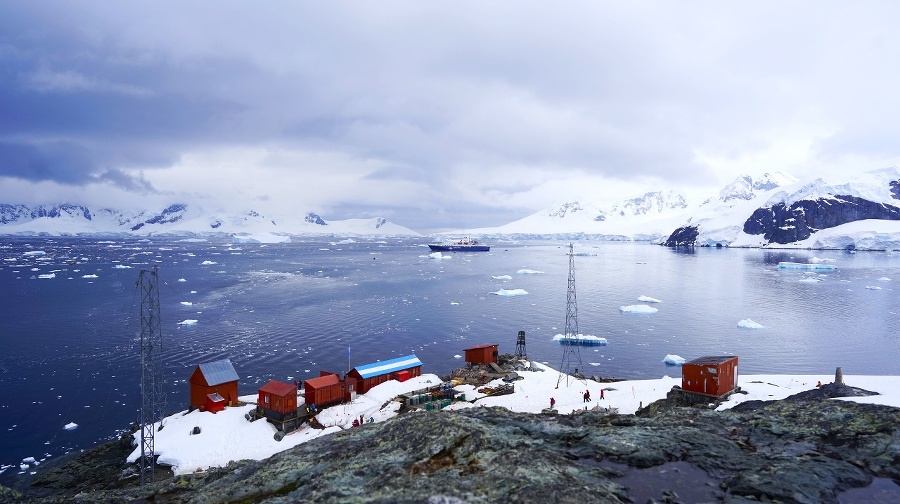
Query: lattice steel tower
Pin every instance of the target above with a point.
(571, 357)
(520, 346)
(153, 395)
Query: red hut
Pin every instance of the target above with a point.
(376, 373)
(329, 389)
(482, 354)
(711, 375)
(211, 378)
(214, 402)
(277, 400)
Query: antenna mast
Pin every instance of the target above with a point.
(153, 396)
(571, 353)
(520, 347)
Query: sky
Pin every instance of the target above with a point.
(435, 115)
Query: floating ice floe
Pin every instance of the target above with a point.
(47, 275)
(749, 324)
(873, 287)
(89, 276)
(510, 292)
(580, 339)
(187, 303)
(673, 360)
(648, 299)
(260, 238)
(34, 253)
(188, 322)
(526, 271)
(817, 260)
(810, 280)
(121, 266)
(501, 277)
(70, 426)
(28, 460)
(438, 255)
(884, 279)
(24, 467)
(182, 280)
(805, 266)
(457, 356)
(208, 262)
(640, 308)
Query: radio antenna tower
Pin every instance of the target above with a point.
(520, 347)
(153, 395)
(571, 353)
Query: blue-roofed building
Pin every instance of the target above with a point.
(218, 377)
(400, 369)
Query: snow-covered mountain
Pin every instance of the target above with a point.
(649, 217)
(179, 220)
(862, 212)
(772, 210)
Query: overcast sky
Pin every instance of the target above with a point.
(435, 115)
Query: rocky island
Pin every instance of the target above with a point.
(805, 448)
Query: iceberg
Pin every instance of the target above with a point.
(187, 322)
(749, 324)
(28, 460)
(70, 426)
(648, 299)
(510, 292)
(805, 266)
(641, 308)
(260, 238)
(673, 360)
(580, 339)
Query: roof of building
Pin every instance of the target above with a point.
(323, 381)
(278, 388)
(478, 347)
(711, 359)
(218, 372)
(388, 366)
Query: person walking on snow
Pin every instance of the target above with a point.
(601, 394)
(552, 402)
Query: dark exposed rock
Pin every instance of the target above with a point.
(895, 189)
(684, 236)
(786, 224)
(783, 451)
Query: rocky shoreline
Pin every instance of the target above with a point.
(802, 449)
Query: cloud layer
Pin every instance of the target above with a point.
(434, 115)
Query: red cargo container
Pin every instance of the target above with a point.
(482, 354)
(328, 389)
(402, 376)
(712, 375)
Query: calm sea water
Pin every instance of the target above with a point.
(69, 344)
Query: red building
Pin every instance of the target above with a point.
(217, 377)
(482, 354)
(711, 375)
(277, 399)
(370, 375)
(329, 389)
